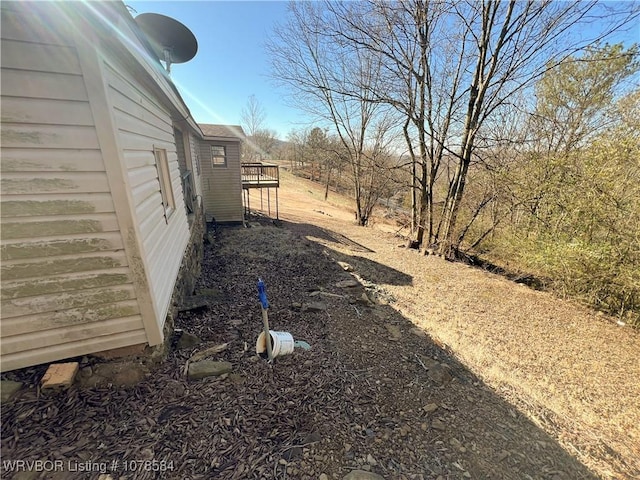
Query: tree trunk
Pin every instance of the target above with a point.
(414, 199)
(423, 215)
(326, 187)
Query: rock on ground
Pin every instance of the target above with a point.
(394, 332)
(346, 266)
(362, 475)
(188, 340)
(216, 349)
(314, 307)
(440, 374)
(208, 368)
(9, 388)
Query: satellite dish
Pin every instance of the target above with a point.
(170, 39)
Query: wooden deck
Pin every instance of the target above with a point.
(260, 175)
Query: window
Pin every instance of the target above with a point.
(218, 156)
(164, 177)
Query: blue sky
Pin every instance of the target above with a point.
(231, 63)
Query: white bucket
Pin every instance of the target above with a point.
(281, 344)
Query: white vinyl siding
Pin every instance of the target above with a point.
(66, 284)
(143, 125)
(222, 186)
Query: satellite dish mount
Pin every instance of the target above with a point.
(167, 59)
(171, 41)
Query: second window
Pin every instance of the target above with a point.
(218, 156)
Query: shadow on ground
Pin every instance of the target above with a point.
(315, 232)
(332, 240)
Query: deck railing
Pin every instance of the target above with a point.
(260, 175)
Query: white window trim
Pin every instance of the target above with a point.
(164, 179)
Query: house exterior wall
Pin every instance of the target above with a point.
(222, 185)
(143, 124)
(90, 256)
(67, 283)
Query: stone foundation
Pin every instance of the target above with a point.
(189, 270)
(130, 351)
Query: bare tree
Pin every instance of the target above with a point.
(253, 116)
(264, 142)
(297, 139)
(317, 147)
(332, 80)
(509, 46)
(260, 139)
(448, 67)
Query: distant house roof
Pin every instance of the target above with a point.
(222, 131)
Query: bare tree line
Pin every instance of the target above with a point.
(441, 75)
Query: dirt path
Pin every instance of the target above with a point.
(506, 383)
(570, 370)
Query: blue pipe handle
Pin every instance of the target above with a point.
(262, 294)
